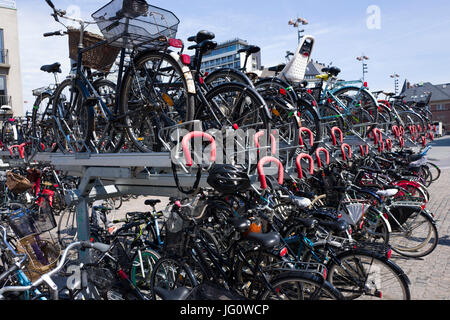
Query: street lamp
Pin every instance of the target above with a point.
(363, 58)
(296, 24)
(395, 77)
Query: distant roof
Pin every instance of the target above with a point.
(419, 92)
(11, 4)
(314, 68)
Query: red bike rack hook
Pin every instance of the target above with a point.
(349, 149)
(262, 177)
(197, 134)
(364, 150)
(377, 133)
(272, 139)
(299, 165)
(327, 154)
(389, 144)
(333, 135)
(396, 131)
(309, 132)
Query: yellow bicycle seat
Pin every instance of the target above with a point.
(324, 77)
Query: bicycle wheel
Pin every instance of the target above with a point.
(233, 104)
(416, 237)
(67, 228)
(154, 95)
(362, 108)
(227, 75)
(364, 275)
(108, 136)
(435, 171)
(293, 285)
(74, 119)
(42, 123)
(170, 274)
(142, 268)
(330, 117)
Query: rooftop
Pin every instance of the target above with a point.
(10, 4)
(419, 92)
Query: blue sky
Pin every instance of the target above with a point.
(413, 39)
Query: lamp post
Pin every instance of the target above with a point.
(395, 77)
(363, 58)
(296, 24)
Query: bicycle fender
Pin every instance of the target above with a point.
(240, 74)
(186, 72)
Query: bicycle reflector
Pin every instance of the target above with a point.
(186, 59)
(283, 252)
(176, 43)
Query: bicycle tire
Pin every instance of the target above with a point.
(74, 118)
(343, 278)
(415, 252)
(173, 109)
(38, 136)
(302, 283)
(179, 278)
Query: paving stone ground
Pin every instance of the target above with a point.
(430, 276)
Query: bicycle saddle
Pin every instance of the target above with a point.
(336, 226)
(52, 68)
(250, 49)
(240, 224)
(387, 193)
(277, 68)
(201, 36)
(177, 294)
(204, 46)
(151, 202)
(332, 71)
(266, 240)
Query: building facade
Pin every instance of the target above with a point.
(10, 74)
(439, 102)
(226, 55)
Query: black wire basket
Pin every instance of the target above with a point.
(37, 220)
(134, 24)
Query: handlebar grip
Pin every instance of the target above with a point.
(50, 4)
(51, 34)
(97, 246)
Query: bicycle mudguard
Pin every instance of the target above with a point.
(186, 72)
(238, 73)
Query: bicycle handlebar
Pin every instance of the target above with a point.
(50, 4)
(56, 33)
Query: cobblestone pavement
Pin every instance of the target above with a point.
(430, 275)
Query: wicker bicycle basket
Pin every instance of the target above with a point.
(17, 183)
(100, 58)
(43, 255)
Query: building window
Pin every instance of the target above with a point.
(440, 107)
(2, 51)
(3, 92)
